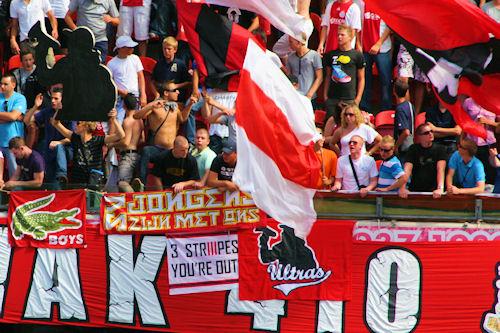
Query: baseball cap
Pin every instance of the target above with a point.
(124, 41)
(228, 147)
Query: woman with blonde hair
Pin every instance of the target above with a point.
(352, 123)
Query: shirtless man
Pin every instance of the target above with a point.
(134, 134)
(163, 118)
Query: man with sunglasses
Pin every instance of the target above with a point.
(425, 163)
(356, 171)
(163, 119)
(465, 171)
(12, 110)
(391, 174)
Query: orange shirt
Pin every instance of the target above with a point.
(328, 158)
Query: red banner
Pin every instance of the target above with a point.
(122, 281)
(276, 264)
(47, 219)
(204, 210)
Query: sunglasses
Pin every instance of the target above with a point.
(426, 132)
(386, 150)
(349, 114)
(354, 143)
(172, 90)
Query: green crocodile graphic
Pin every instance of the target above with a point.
(38, 224)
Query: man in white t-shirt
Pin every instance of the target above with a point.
(127, 72)
(364, 178)
(24, 14)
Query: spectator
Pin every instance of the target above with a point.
(337, 13)
(25, 14)
(26, 77)
(345, 72)
(495, 162)
(127, 72)
(163, 119)
(30, 166)
(408, 69)
(218, 132)
(465, 172)
(306, 65)
(404, 119)
(425, 163)
(95, 15)
(444, 127)
(328, 161)
(203, 154)
(225, 116)
(87, 149)
(13, 107)
(222, 169)
(487, 120)
(353, 123)
(492, 9)
(134, 18)
(176, 168)
(377, 47)
(169, 68)
(356, 171)
(54, 150)
(391, 174)
(163, 19)
(134, 135)
(60, 8)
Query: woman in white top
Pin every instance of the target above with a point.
(352, 123)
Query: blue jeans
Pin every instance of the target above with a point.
(59, 156)
(190, 125)
(149, 155)
(10, 159)
(383, 62)
(102, 46)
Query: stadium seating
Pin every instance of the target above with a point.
(384, 122)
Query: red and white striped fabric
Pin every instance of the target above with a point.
(278, 12)
(275, 137)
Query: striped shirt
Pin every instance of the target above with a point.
(389, 172)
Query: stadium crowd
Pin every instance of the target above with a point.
(382, 129)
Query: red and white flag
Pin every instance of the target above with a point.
(277, 164)
(278, 12)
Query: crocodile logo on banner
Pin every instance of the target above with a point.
(27, 219)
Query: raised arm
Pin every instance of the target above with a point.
(118, 134)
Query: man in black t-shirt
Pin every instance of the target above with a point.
(444, 127)
(175, 168)
(345, 72)
(426, 163)
(222, 169)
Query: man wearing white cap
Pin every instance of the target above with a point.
(126, 69)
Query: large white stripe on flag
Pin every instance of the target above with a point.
(279, 12)
(282, 199)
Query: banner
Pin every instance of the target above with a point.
(276, 264)
(122, 281)
(204, 210)
(47, 219)
(202, 263)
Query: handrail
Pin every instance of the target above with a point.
(419, 206)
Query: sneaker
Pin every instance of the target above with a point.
(137, 185)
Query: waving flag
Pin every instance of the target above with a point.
(275, 126)
(278, 12)
(454, 43)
